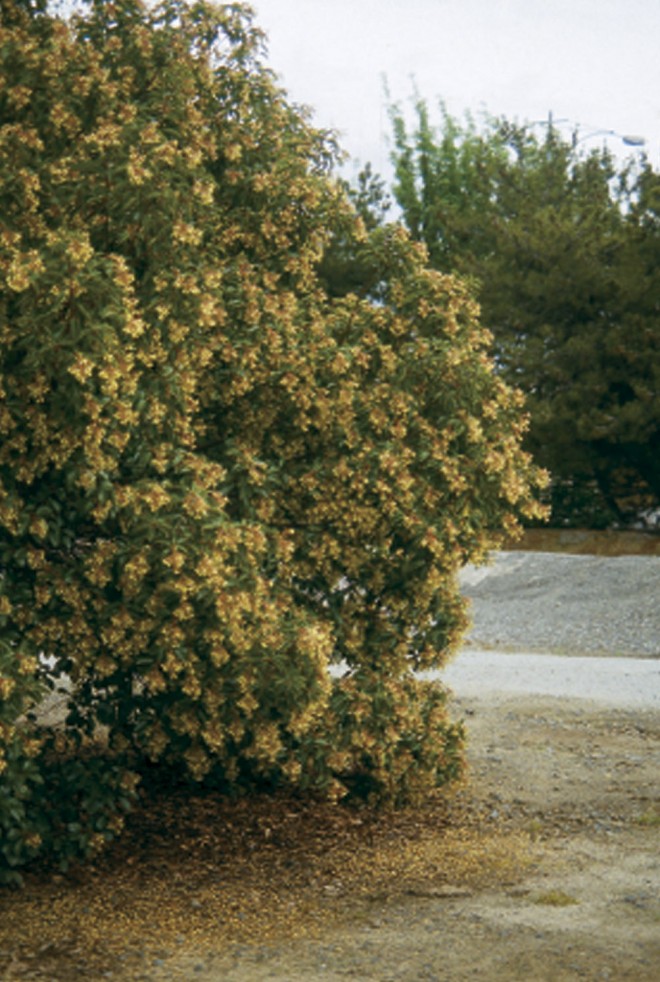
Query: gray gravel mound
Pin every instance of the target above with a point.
(552, 602)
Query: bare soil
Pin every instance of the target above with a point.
(544, 865)
(605, 542)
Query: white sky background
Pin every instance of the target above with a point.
(594, 62)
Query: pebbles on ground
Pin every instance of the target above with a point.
(552, 602)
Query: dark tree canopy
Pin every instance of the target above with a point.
(561, 247)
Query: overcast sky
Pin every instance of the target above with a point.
(593, 62)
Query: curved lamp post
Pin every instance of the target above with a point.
(629, 139)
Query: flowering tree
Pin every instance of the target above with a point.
(215, 479)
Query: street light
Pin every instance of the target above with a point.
(629, 139)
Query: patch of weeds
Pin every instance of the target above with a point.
(556, 898)
(649, 819)
(534, 828)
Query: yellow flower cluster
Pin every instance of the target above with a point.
(81, 368)
(193, 504)
(38, 527)
(7, 686)
(175, 560)
(23, 268)
(134, 573)
(183, 233)
(266, 744)
(198, 761)
(136, 168)
(19, 96)
(155, 497)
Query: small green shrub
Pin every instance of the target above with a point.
(649, 819)
(556, 898)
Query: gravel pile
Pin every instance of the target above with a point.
(552, 602)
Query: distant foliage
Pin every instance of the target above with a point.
(561, 247)
(216, 480)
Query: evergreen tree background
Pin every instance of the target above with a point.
(562, 249)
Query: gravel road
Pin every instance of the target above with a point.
(552, 602)
(622, 683)
(530, 610)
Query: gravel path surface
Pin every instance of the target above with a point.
(551, 602)
(623, 683)
(531, 609)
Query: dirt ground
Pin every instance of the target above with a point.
(543, 866)
(605, 542)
